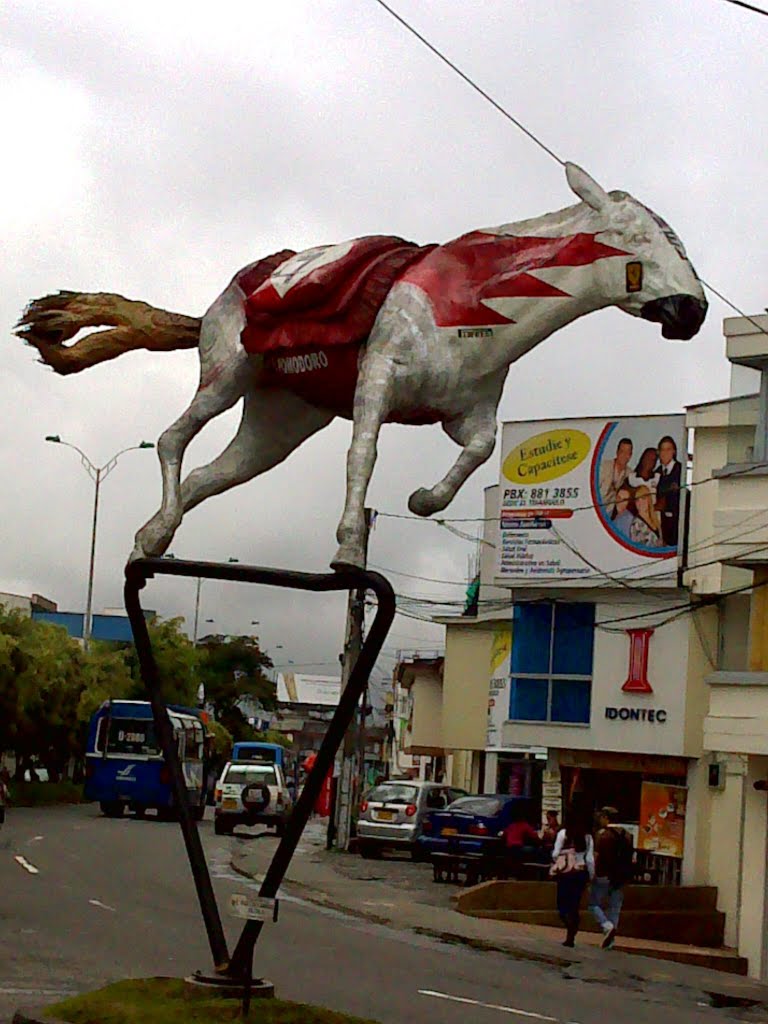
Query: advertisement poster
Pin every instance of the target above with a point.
(498, 689)
(662, 819)
(591, 501)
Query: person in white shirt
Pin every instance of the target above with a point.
(573, 866)
(613, 474)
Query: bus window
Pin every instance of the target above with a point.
(194, 741)
(132, 736)
(101, 736)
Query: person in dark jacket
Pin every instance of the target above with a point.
(613, 869)
(668, 490)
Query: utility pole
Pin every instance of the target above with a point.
(353, 642)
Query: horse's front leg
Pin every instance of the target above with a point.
(371, 408)
(476, 433)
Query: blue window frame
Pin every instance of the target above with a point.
(551, 663)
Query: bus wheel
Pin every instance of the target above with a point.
(112, 808)
(139, 810)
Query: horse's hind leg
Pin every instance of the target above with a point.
(226, 372)
(274, 424)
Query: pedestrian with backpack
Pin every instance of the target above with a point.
(614, 867)
(573, 866)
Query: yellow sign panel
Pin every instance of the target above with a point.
(546, 456)
(501, 648)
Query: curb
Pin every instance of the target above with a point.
(720, 997)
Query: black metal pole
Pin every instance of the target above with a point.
(135, 580)
(137, 573)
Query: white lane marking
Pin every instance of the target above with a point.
(36, 839)
(23, 862)
(104, 906)
(487, 1006)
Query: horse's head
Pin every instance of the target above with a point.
(657, 281)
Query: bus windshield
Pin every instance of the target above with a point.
(132, 736)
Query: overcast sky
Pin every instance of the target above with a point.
(154, 148)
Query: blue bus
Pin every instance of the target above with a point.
(263, 753)
(124, 763)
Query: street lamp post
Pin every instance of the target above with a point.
(98, 474)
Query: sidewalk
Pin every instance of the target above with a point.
(400, 894)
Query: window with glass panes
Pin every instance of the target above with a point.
(551, 663)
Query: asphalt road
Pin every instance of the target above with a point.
(85, 900)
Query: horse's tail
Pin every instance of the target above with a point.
(49, 322)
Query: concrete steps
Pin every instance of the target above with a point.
(681, 915)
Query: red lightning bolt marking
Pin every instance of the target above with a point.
(460, 275)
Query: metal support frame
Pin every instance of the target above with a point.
(239, 965)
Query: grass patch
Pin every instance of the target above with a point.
(169, 1001)
(42, 794)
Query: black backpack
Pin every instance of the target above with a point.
(623, 857)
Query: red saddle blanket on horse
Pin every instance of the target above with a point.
(308, 313)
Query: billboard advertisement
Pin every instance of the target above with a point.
(662, 819)
(498, 690)
(591, 501)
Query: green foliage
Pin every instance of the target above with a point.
(169, 1001)
(45, 794)
(221, 746)
(41, 671)
(272, 736)
(176, 658)
(106, 673)
(232, 668)
(50, 686)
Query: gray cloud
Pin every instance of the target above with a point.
(154, 149)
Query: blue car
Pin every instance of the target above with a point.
(473, 824)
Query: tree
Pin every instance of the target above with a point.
(40, 684)
(106, 674)
(177, 659)
(232, 668)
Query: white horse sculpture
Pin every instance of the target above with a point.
(439, 349)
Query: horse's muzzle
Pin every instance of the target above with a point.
(680, 316)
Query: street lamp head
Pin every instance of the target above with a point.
(233, 559)
(54, 438)
(146, 444)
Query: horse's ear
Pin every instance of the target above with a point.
(586, 188)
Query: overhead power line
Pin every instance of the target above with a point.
(518, 124)
(749, 7)
(470, 82)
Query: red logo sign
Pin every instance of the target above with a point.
(637, 680)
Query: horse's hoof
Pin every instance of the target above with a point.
(423, 502)
(138, 552)
(348, 557)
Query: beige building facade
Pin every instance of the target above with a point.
(728, 559)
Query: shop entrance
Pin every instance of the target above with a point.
(521, 775)
(589, 789)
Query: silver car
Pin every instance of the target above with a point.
(391, 815)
